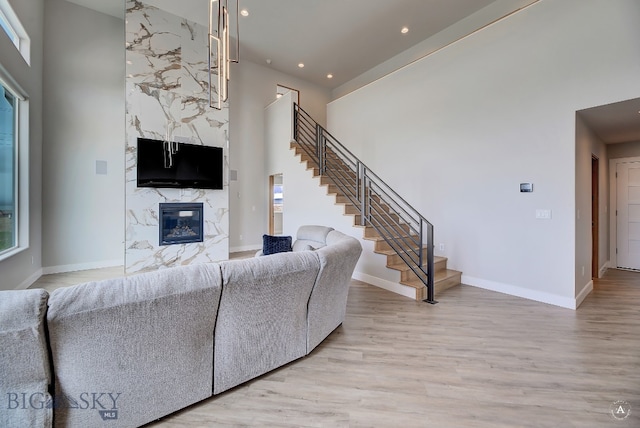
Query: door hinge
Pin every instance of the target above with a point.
(616, 251)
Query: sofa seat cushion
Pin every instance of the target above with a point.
(146, 339)
(24, 361)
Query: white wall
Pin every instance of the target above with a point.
(587, 145)
(456, 132)
(253, 87)
(22, 269)
(83, 222)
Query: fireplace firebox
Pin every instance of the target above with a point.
(181, 223)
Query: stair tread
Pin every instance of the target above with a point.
(385, 252)
(440, 276)
(403, 266)
(380, 238)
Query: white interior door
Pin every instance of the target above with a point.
(628, 215)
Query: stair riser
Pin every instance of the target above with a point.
(408, 275)
(392, 219)
(351, 209)
(384, 246)
(371, 232)
(452, 281)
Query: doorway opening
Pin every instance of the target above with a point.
(276, 204)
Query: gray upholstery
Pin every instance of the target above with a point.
(24, 361)
(328, 302)
(127, 351)
(262, 318)
(313, 236)
(148, 338)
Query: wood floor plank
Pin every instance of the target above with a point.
(476, 359)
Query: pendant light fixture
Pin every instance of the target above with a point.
(221, 12)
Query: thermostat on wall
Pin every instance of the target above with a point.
(526, 187)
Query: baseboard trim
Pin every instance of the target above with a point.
(394, 287)
(584, 293)
(512, 290)
(30, 280)
(604, 268)
(81, 266)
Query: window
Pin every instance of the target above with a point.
(4, 23)
(14, 167)
(11, 25)
(8, 171)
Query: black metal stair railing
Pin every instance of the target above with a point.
(404, 229)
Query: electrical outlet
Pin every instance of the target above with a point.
(241, 237)
(441, 247)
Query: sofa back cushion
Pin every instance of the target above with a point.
(328, 302)
(141, 346)
(24, 363)
(262, 319)
(311, 236)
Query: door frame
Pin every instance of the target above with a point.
(271, 210)
(595, 216)
(613, 204)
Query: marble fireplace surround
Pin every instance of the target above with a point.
(167, 98)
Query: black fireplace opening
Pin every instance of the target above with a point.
(181, 223)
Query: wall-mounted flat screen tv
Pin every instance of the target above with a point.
(179, 165)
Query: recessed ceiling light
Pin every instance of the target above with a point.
(404, 30)
(301, 65)
(329, 76)
(244, 12)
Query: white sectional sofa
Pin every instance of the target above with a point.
(124, 352)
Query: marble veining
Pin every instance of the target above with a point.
(167, 98)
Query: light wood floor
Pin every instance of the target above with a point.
(476, 359)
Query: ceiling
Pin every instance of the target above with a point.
(342, 37)
(348, 37)
(615, 123)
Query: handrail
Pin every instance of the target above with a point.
(404, 229)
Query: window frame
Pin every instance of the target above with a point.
(21, 171)
(14, 29)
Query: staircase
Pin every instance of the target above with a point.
(397, 230)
